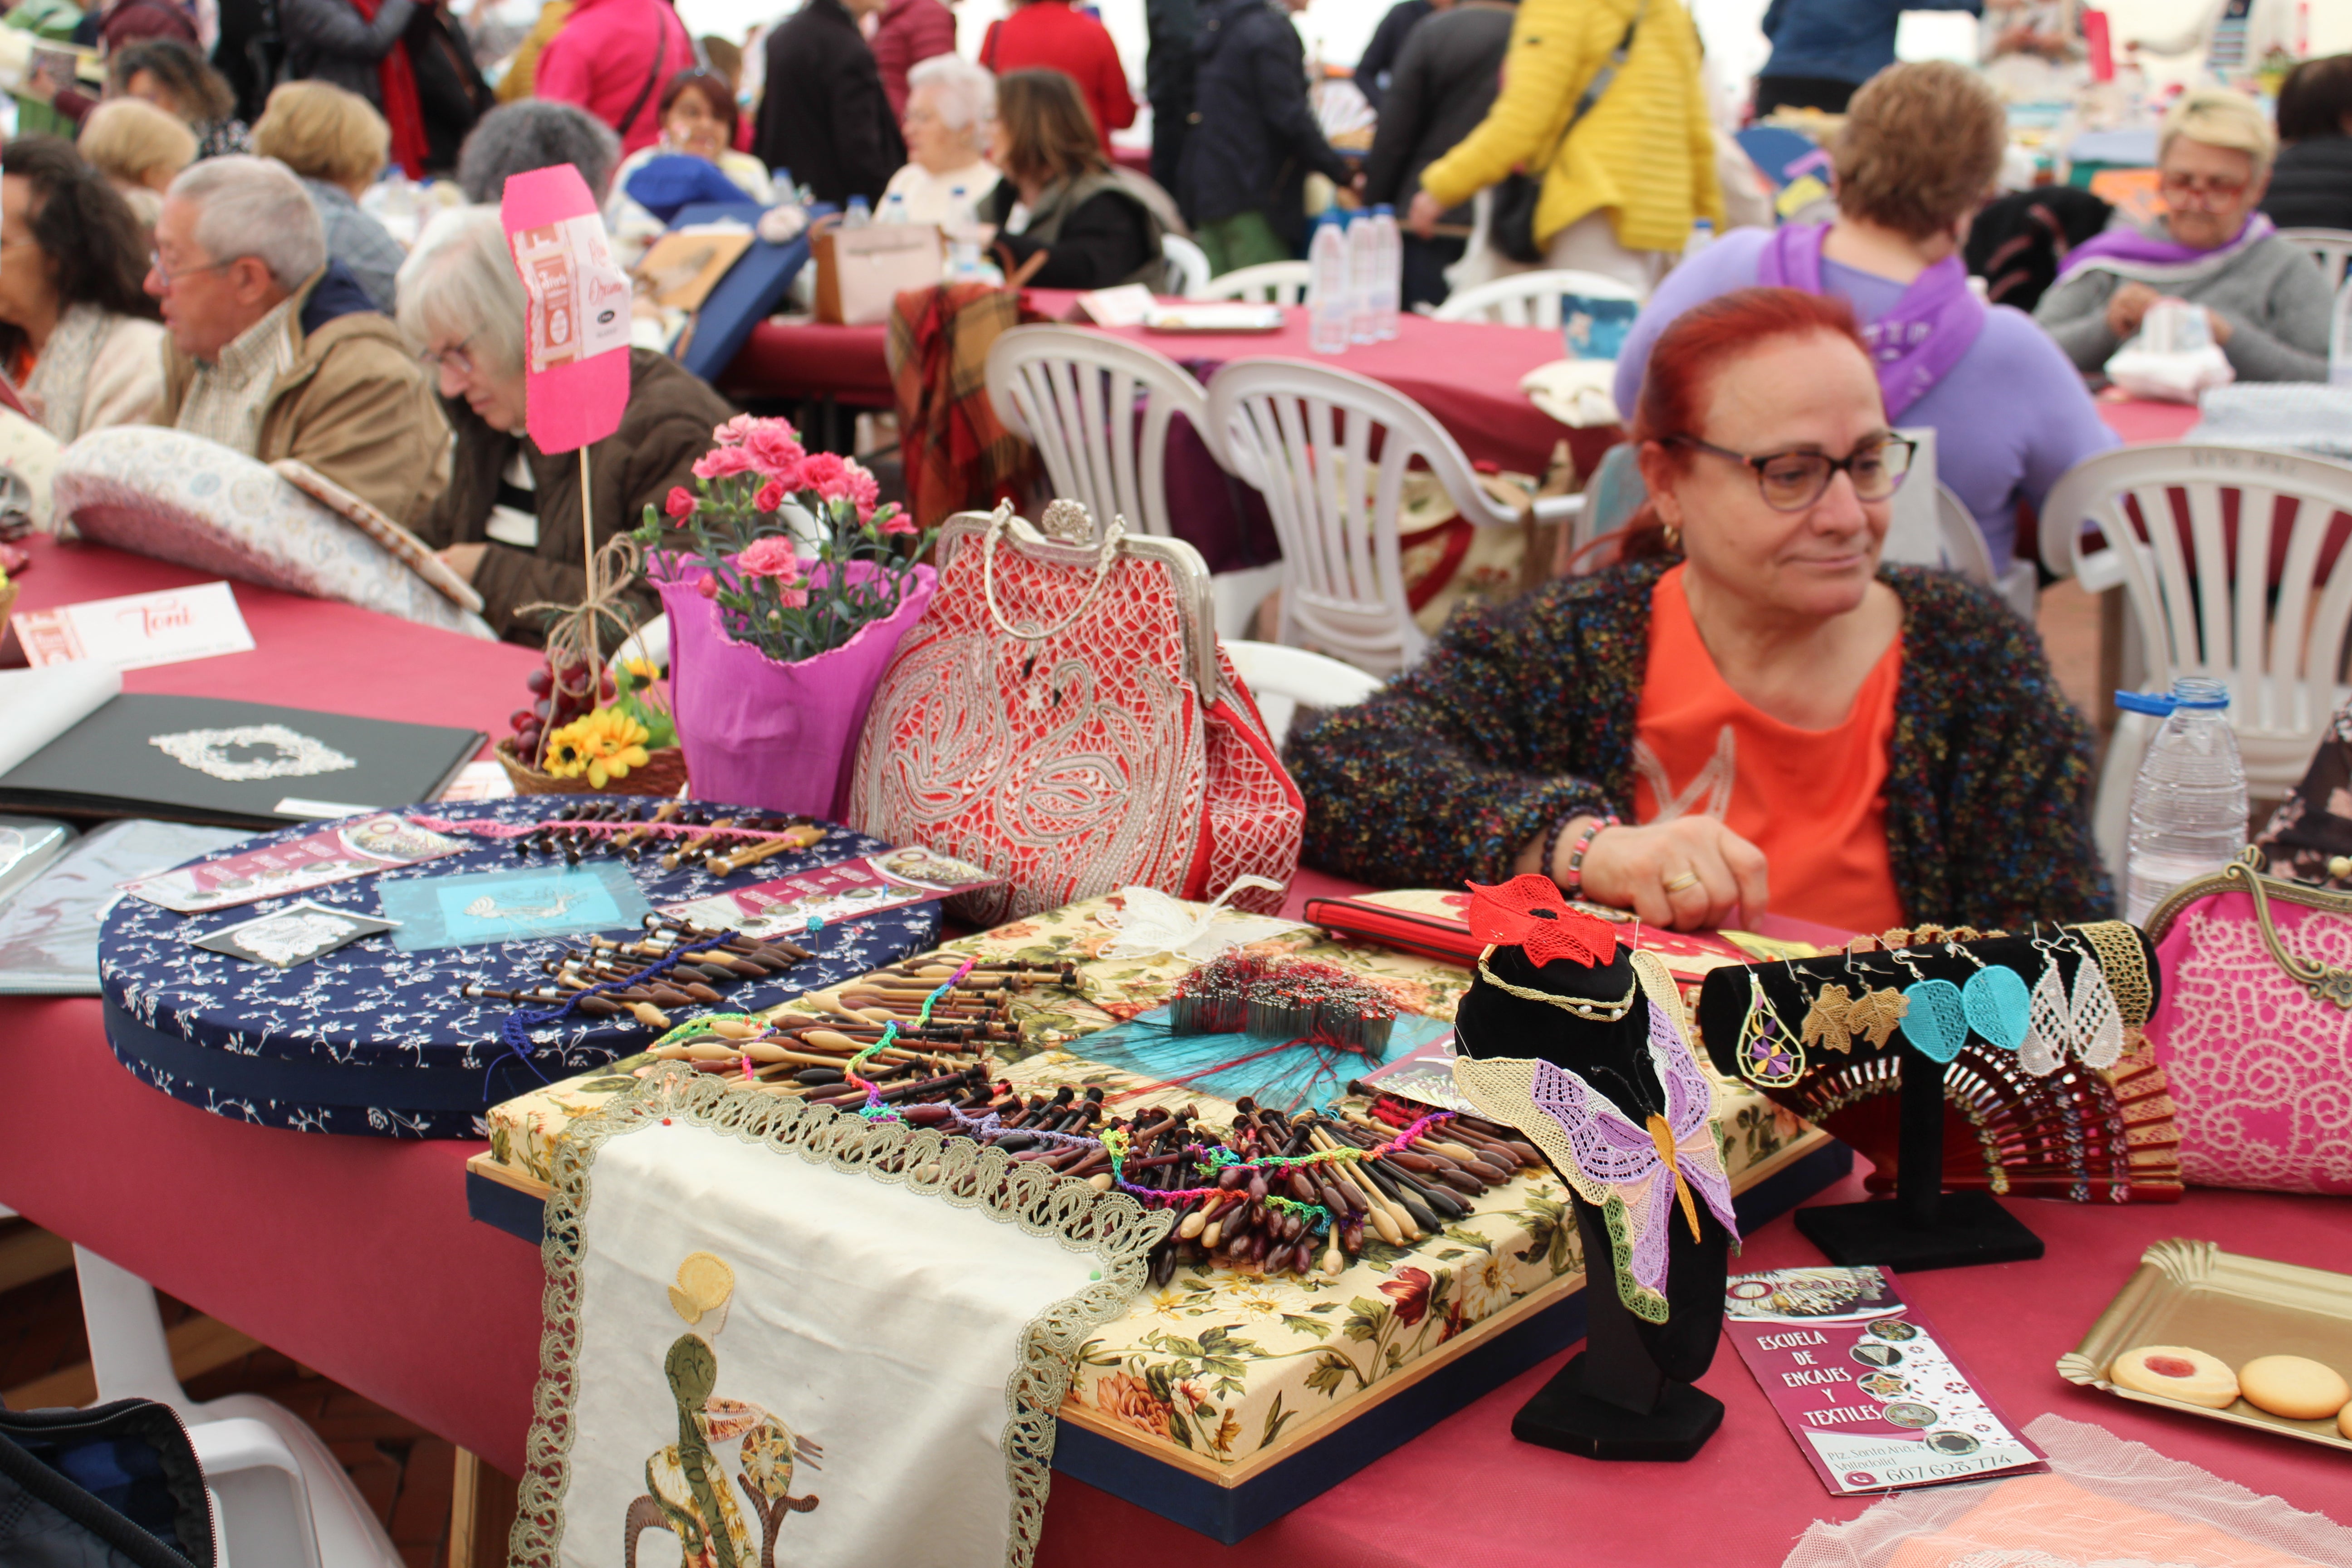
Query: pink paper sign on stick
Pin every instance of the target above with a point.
(576, 323)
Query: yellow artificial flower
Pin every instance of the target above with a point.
(642, 669)
(566, 757)
(612, 742)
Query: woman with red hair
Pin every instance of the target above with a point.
(1750, 712)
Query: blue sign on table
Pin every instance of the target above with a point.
(512, 906)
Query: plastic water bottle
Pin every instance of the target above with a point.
(1363, 280)
(1702, 235)
(2339, 340)
(893, 208)
(1390, 295)
(859, 215)
(2189, 803)
(1327, 287)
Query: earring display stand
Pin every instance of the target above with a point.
(1921, 1226)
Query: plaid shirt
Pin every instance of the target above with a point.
(225, 398)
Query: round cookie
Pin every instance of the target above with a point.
(2176, 1372)
(2344, 1419)
(2293, 1386)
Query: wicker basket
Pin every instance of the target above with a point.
(7, 603)
(664, 774)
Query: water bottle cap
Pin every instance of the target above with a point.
(1705, 223)
(2195, 694)
(1383, 210)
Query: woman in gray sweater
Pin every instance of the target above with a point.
(2266, 302)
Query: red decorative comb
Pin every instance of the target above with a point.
(1530, 913)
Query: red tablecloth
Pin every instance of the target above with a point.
(2140, 422)
(1465, 374)
(356, 1256)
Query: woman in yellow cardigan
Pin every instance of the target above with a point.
(1622, 190)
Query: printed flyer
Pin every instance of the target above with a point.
(336, 853)
(1861, 1381)
(843, 890)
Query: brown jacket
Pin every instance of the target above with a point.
(355, 405)
(667, 425)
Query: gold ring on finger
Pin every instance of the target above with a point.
(1686, 879)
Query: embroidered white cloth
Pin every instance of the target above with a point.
(786, 1351)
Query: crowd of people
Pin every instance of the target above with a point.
(194, 246)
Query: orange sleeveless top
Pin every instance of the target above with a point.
(1813, 800)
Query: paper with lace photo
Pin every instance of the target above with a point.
(843, 890)
(781, 1362)
(298, 933)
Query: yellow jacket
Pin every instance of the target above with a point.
(1644, 151)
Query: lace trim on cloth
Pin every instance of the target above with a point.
(1615, 1163)
(2099, 1462)
(1113, 1227)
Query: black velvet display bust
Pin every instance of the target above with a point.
(1627, 1395)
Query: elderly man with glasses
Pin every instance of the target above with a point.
(279, 353)
(2268, 306)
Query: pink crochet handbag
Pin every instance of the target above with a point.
(2254, 1031)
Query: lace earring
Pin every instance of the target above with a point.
(1997, 1004)
(1935, 1019)
(2051, 1030)
(2097, 1024)
(1772, 1055)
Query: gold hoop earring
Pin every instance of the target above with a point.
(1673, 536)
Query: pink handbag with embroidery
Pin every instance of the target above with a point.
(2254, 1031)
(1063, 715)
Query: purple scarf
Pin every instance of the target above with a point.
(2133, 254)
(1930, 327)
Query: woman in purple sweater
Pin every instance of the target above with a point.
(1921, 148)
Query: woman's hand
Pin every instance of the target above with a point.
(1421, 218)
(464, 559)
(1690, 874)
(2127, 307)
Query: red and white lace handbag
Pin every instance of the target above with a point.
(1064, 716)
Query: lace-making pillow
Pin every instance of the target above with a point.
(180, 497)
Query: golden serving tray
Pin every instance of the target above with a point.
(2237, 1308)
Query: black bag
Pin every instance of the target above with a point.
(115, 1486)
(1511, 216)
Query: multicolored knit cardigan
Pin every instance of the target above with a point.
(1524, 712)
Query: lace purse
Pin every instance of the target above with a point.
(2254, 1031)
(1064, 716)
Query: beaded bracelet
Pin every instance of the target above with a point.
(1573, 884)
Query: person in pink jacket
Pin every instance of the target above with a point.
(612, 57)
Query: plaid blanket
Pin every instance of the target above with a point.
(959, 455)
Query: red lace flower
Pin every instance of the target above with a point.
(1530, 913)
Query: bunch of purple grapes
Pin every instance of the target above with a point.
(559, 695)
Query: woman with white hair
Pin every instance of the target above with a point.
(949, 101)
(2267, 304)
(509, 520)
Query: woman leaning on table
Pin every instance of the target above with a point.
(1780, 721)
(508, 521)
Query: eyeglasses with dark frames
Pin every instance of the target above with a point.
(1791, 482)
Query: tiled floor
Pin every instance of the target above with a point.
(405, 1472)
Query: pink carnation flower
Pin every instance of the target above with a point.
(720, 462)
(708, 587)
(735, 431)
(794, 598)
(863, 492)
(821, 472)
(775, 452)
(898, 523)
(771, 557)
(771, 496)
(681, 503)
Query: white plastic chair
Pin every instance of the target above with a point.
(1267, 283)
(2331, 247)
(282, 1499)
(1189, 262)
(1529, 299)
(1303, 435)
(1285, 680)
(2205, 605)
(1072, 394)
